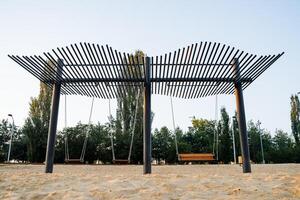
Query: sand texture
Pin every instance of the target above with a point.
(166, 182)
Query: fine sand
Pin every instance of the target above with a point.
(166, 182)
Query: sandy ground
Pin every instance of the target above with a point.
(166, 182)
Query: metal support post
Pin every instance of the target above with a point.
(147, 118)
(241, 118)
(53, 120)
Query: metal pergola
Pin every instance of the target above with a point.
(198, 70)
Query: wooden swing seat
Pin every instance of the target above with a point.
(121, 161)
(73, 161)
(196, 157)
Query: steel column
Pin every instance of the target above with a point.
(241, 118)
(147, 118)
(53, 120)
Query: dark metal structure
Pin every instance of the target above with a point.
(195, 71)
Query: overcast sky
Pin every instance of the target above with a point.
(156, 27)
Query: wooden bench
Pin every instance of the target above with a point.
(196, 157)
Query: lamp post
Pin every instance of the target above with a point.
(261, 144)
(11, 133)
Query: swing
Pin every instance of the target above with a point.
(189, 157)
(124, 161)
(67, 156)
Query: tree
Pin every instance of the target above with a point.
(225, 141)
(236, 133)
(161, 143)
(126, 113)
(36, 125)
(203, 135)
(295, 122)
(283, 147)
(4, 138)
(98, 144)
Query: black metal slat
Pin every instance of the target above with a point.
(156, 75)
(89, 67)
(77, 89)
(167, 66)
(163, 85)
(221, 71)
(207, 69)
(102, 72)
(184, 71)
(230, 73)
(211, 68)
(242, 67)
(113, 92)
(115, 70)
(199, 67)
(122, 68)
(97, 69)
(179, 72)
(122, 91)
(194, 71)
(216, 67)
(136, 71)
(175, 70)
(260, 61)
(265, 68)
(188, 88)
(151, 74)
(79, 71)
(82, 65)
(252, 68)
(159, 73)
(198, 92)
(67, 57)
(227, 70)
(93, 61)
(85, 66)
(35, 73)
(171, 72)
(68, 74)
(119, 86)
(39, 68)
(219, 67)
(139, 67)
(43, 65)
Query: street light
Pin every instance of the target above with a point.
(261, 144)
(11, 133)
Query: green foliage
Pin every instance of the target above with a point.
(4, 138)
(283, 148)
(201, 136)
(98, 144)
(36, 125)
(295, 122)
(161, 143)
(225, 140)
(123, 127)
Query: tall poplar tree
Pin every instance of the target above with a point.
(295, 123)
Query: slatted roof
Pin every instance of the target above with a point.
(198, 70)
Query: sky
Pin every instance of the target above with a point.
(156, 27)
